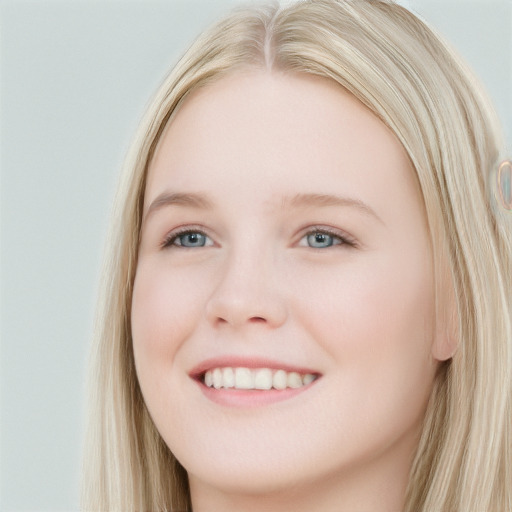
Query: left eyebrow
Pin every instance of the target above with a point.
(178, 199)
(326, 200)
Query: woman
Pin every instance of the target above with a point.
(307, 301)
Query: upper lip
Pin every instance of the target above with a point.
(247, 362)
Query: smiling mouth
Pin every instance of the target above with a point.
(255, 379)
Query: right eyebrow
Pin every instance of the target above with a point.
(177, 199)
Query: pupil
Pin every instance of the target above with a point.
(192, 240)
(319, 240)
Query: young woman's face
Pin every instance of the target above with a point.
(284, 244)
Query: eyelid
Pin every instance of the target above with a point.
(345, 238)
(171, 236)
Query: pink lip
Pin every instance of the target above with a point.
(245, 362)
(248, 398)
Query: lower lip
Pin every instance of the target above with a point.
(250, 397)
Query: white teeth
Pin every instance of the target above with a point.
(294, 380)
(279, 380)
(217, 378)
(244, 378)
(308, 379)
(228, 377)
(261, 378)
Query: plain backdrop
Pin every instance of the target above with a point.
(75, 78)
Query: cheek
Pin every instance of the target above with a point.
(165, 310)
(374, 319)
(367, 299)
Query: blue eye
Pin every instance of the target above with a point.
(323, 239)
(316, 239)
(320, 240)
(188, 239)
(192, 240)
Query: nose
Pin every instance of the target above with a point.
(247, 293)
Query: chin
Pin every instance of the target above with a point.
(247, 479)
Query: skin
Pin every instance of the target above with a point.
(361, 315)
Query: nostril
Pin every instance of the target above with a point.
(236, 309)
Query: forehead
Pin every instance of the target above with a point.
(275, 133)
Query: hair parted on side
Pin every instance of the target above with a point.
(407, 76)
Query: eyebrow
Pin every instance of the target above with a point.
(297, 201)
(178, 199)
(327, 200)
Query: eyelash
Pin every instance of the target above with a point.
(345, 240)
(170, 239)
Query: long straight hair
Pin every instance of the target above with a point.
(409, 78)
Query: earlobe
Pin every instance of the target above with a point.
(447, 336)
(445, 344)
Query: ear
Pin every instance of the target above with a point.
(446, 341)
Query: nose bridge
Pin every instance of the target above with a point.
(247, 290)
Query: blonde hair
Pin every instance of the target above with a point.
(403, 72)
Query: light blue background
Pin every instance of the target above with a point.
(75, 77)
